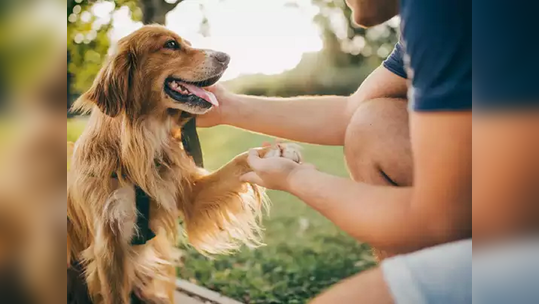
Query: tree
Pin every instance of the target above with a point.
(155, 11)
(88, 43)
(345, 47)
(345, 44)
(349, 55)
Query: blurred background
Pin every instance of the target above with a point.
(278, 48)
(33, 102)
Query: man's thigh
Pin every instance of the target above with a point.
(437, 275)
(377, 143)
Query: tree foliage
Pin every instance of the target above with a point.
(88, 41)
(348, 53)
(28, 41)
(346, 44)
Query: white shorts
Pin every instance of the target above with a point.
(437, 275)
(507, 273)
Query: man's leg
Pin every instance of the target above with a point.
(366, 287)
(377, 146)
(377, 143)
(441, 274)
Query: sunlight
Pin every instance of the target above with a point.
(262, 36)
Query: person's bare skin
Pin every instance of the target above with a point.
(369, 287)
(399, 219)
(378, 110)
(369, 13)
(372, 125)
(505, 197)
(506, 176)
(377, 143)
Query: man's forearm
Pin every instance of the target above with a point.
(315, 119)
(379, 215)
(318, 120)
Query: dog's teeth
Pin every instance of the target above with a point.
(183, 90)
(176, 86)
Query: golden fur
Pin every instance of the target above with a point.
(132, 132)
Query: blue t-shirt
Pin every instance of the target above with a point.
(505, 47)
(395, 61)
(437, 39)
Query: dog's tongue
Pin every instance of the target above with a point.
(207, 96)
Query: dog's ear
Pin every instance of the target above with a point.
(110, 90)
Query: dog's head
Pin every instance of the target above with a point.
(154, 71)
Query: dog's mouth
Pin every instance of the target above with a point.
(192, 94)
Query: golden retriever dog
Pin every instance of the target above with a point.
(139, 100)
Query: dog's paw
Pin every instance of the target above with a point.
(286, 150)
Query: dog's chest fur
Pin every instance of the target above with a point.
(146, 156)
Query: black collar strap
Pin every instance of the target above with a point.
(191, 142)
(142, 202)
(144, 233)
(191, 145)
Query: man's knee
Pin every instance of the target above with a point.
(377, 143)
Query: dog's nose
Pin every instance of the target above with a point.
(221, 57)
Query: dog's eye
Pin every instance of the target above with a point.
(172, 45)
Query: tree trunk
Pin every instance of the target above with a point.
(155, 11)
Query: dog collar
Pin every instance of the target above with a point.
(191, 142)
(142, 203)
(144, 234)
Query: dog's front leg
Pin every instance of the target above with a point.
(225, 212)
(112, 250)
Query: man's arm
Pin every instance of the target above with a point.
(318, 120)
(506, 174)
(436, 210)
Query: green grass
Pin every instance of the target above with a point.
(75, 128)
(305, 253)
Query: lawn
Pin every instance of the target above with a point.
(304, 252)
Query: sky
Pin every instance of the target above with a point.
(261, 36)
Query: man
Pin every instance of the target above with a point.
(505, 162)
(376, 111)
(437, 208)
(372, 124)
(505, 155)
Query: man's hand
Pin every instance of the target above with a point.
(274, 172)
(216, 115)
